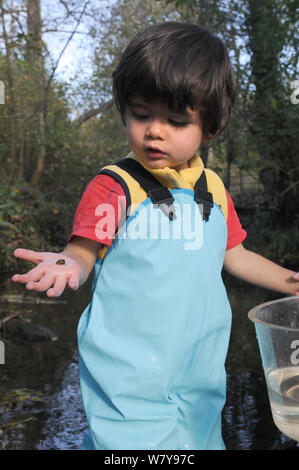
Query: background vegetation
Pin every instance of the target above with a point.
(57, 130)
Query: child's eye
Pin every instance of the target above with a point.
(178, 123)
(139, 116)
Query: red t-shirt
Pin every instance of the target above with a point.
(103, 189)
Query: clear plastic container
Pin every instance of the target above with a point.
(277, 330)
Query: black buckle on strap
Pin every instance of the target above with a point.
(163, 198)
(161, 195)
(206, 199)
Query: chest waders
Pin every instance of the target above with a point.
(153, 340)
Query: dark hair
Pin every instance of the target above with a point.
(181, 64)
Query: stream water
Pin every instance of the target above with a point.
(40, 400)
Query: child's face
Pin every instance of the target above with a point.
(161, 137)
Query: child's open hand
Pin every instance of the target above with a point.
(52, 273)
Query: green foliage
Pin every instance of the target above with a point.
(15, 207)
(27, 220)
(281, 244)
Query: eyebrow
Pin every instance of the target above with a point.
(136, 102)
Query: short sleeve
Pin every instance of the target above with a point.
(236, 233)
(99, 211)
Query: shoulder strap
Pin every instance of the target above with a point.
(202, 196)
(159, 194)
(120, 180)
(208, 188)
(207, 180)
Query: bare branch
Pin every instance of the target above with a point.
(92, 112)
(65, 32)
(69, 12)
(66, 45)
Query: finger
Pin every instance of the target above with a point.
(73, 281)
(29, 255)
(34, 274)
(58, 287)
(296, 276)
(46, 281)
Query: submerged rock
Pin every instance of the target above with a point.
(18, 328)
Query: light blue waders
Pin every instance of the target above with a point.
(153, 340)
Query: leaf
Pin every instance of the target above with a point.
(21, 394)
(5, 224)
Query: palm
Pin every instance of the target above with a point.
(47, 275)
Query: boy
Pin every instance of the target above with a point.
(153, 341)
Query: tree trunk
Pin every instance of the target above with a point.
(11, 101)
(229, 160)
(33, 31)
(35, 58)
(274, 117)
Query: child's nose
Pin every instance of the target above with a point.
(155, 129)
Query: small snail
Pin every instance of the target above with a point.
(60, 261)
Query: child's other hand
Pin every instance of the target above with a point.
(296, 277)
(47, 275)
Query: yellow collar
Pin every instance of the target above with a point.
(176, 179)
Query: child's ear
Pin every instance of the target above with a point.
(206, 138)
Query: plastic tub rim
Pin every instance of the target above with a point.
(254, 319)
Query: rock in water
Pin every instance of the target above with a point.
(21, 329)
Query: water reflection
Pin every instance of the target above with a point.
(56, 419)
(66, 424)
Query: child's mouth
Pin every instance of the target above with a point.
(154, 152)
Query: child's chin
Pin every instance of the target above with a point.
(156, 162)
